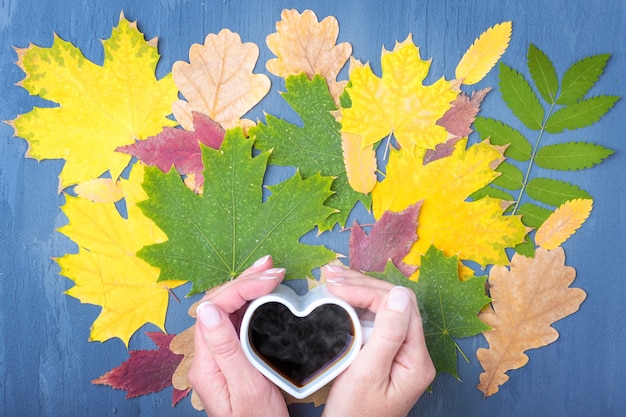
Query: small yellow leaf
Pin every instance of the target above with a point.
(360, 163)
(302, 44)
(100, 190)
(218, 80)
(484, 53)
(563, 223)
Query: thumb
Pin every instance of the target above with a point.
(390, 330)
(222, 341)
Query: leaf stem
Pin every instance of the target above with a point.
(532, 159)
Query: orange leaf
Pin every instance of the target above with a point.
(526, 300)
(218, 81)
(302, 44)
(360, 163)
(563, 223)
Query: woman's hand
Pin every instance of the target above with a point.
(393, 369)
(220, 373)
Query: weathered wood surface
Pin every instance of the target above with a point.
(46, 362)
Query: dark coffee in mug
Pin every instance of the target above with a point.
(300, 348)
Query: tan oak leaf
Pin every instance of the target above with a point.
(218, 81)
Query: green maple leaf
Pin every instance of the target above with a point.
(449, 307)
(314, 147)
(215, 236)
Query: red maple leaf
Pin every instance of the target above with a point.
(146, 371)
(179, 148)
(391, 237)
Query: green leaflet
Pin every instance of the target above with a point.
(449, 307)
(580, 114)
(215, 236)
(493, 192)
(520, 97)
(511, 177)
(533, 215)
(518, 147)
(314, 147)
(554, 192)
(571, 155)
(568, 108)
(580, 77)
(543, 74)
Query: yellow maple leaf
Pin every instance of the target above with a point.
(218, 81)
(303, 44)
(473, 230)
(563, 223)
(526, 300)
(484, 53)
(398, 102)
(106, 270)
(100, 107)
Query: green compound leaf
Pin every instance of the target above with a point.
(543, 74)
(554, 192)
(449, 307)
(518, 147)
(571, 156)
(314, 147)
(580, 77)
(215, 236)
(581, 114)
(520, 97)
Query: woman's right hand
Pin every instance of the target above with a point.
(393, 369)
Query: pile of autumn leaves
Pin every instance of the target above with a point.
(195, 209)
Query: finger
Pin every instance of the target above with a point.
(362, 292)
(206, 378)
(256, 269)
(413, 362)
(391, 328)
(336, 276)
(232, 297)
(222, 342)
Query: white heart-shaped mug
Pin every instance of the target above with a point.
(302, 306)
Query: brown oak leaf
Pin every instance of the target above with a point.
(218, 81)
(526, 300)
(302, 44)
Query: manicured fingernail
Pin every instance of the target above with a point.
(398, 299)
(261, 261)
(272, 273)
(336, 280)
(208, 315)
(334, 268)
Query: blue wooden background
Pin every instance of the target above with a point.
(46, 362)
